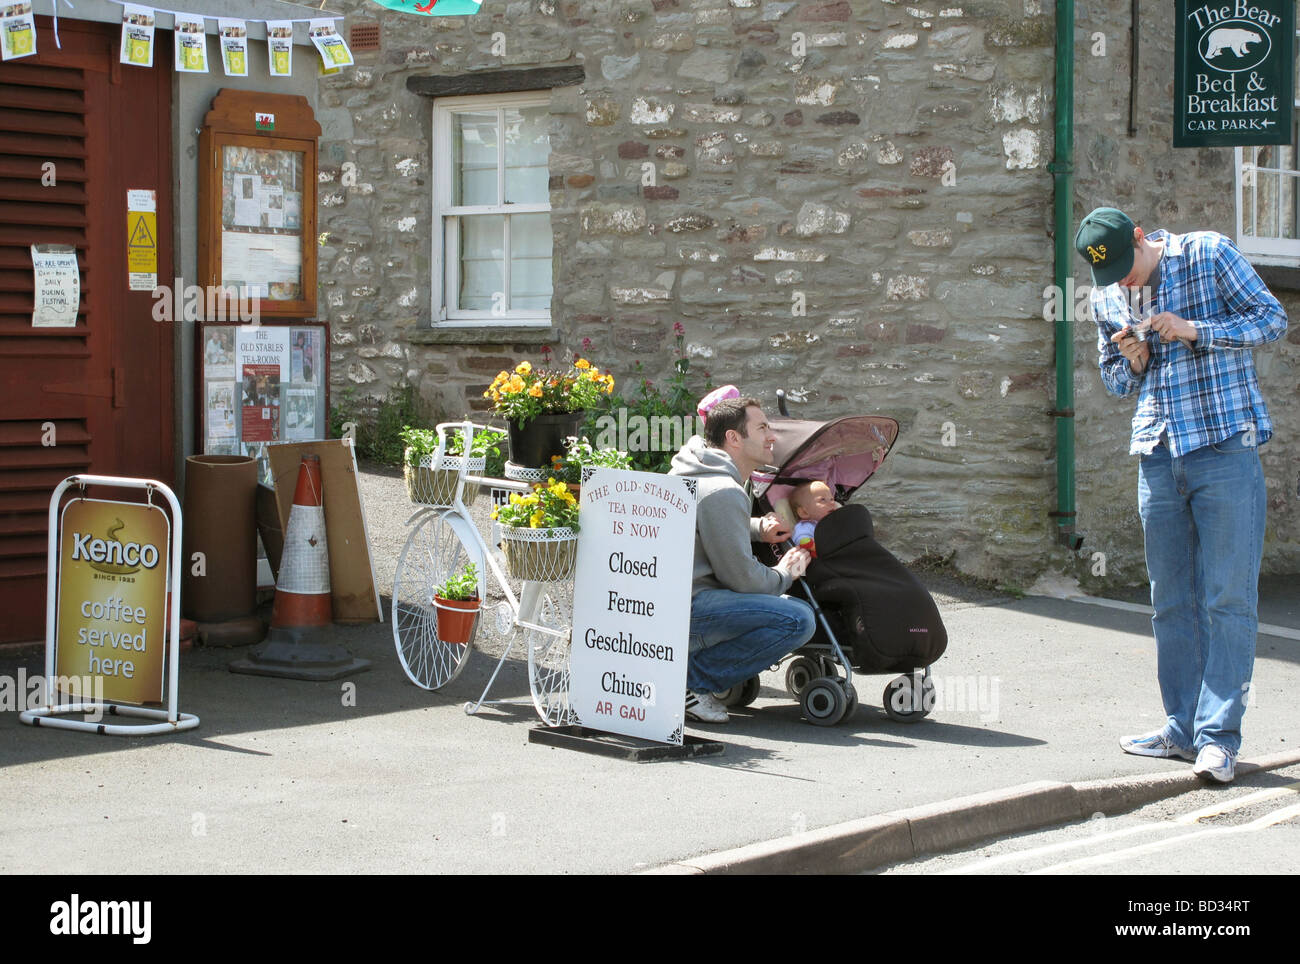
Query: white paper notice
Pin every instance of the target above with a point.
(58, 286)
(631, 622)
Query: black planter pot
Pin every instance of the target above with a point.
(543, 436)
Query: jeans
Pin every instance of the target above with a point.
(1203, 522)
(738, 635)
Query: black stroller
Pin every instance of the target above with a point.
(871, 600)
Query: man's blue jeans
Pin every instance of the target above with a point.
(738, 635)
(1203, 522)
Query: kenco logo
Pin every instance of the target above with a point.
(76, 917)
(131, 555)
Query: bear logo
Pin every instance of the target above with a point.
(1235, 39)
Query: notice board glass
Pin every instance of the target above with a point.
(259, 385)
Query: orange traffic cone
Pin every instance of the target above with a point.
(298, 646)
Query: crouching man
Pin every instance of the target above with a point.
(740, 622)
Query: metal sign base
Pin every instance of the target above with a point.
(51, 716)
(621, 747)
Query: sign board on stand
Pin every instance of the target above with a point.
(112, 641)
(631, 619)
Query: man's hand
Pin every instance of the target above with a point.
(1133, 348)
(794, 563)
(1170, 327)
(772, 529)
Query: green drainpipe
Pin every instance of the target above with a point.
(1062, 169)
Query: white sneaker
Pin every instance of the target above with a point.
(1216, 763)
(1156, 743)
(705, 708)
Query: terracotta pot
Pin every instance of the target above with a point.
(456, 618)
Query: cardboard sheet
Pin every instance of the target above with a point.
(352, 571)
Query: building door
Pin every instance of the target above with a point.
(77, 131)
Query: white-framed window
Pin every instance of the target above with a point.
(491, 210)
(1268, 197)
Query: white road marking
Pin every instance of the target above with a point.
(1269, 819)
(1177, 823)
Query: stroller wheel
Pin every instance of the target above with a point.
(903, 702)
(851, 698)
(741, 694)
(799, 674)
(824, 702)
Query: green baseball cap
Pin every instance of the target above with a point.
(1105, 241)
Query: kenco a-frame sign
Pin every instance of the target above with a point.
(1234, 81)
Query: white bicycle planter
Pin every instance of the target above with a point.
(443, 540)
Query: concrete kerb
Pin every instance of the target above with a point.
(865, 844)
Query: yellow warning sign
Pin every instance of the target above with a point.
(141, 240)
(141, 247)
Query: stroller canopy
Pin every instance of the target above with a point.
(843, 453)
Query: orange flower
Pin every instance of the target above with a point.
(535, 391)
(582, 364)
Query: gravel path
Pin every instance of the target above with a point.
(383, 493)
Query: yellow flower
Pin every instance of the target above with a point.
(537, 519)
(514, 386)
(493, 513)
(535, 391)
(582, 364)
(523, 368)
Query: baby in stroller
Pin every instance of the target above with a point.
(888, 619)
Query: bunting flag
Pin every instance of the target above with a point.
(334, 52)
(432, 8)
(234, 46)
(191, 45)
(137, 35)
(279, 47)
(17, 31)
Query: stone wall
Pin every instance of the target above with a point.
(850, 200)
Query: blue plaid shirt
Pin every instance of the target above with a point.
(1198, 395)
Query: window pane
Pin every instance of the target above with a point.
(1247, 194)
(474, 157)
(1266, 205)
(530, 261)
(527, 152)
(1288, 207)
(482, 245)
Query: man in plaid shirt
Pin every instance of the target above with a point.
(1178, 315)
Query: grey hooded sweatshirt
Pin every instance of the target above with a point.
(723, 526)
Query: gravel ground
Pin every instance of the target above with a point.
(387, 507)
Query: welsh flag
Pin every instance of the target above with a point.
(432, 8)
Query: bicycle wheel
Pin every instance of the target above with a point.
(549, 605)
(441, 544)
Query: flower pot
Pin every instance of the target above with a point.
(543, 436)
(430, 486)
(456, 619)
(539, 555)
